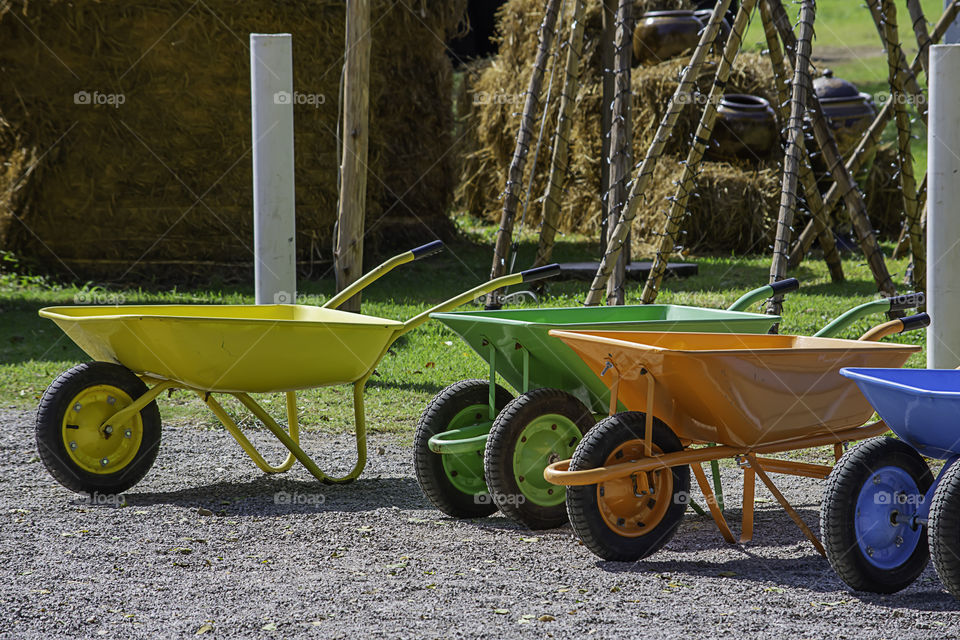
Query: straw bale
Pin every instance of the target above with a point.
(161, 184)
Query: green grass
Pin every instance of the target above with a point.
(33, 351)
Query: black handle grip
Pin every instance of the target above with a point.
(907, 301)
(427, 250)
(918, 321)
(785, 286)
(540, 273)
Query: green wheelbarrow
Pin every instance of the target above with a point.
(478, 449)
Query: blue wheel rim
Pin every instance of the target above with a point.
(888, 502)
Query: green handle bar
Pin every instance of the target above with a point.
(767, 291)
(896, 303)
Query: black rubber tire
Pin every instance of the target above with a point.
(582, 502)
(943, 532)
(502, 443)
(429, 465)
(53, 407)
(838, 513)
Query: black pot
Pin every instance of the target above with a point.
(746, 129)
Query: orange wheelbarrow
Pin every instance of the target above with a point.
(629, 479)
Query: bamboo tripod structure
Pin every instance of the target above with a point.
(790, 58)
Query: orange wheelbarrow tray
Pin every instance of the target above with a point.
(751, 394)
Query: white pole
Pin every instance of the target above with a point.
(943, 214)
(274, 221)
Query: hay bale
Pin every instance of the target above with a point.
(501, 85)
(164, 179)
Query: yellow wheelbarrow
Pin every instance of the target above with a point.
(98, 424)
(628, 481)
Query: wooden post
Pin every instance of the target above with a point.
(678, 206)
(620, 143)
(681, 97)
(814, 200)
(352, 206)
(793, 155)
(872, 136)
(908, 185)
(511, 193)
(607, 59)
(853, 199)
(561, 139)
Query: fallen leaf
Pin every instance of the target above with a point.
(204, 512)
(546, 618)
(501, 612)
(269, 627)
(204, 628)
(727, 574)
(533, 539)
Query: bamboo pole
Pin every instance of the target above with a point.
(559, 161)
(352, 205)
(853, 199)
(511, 193)
(637, 196)
(908, 185)
(872, 136)
(678, 206)
(812, 192)
(905, 77)
(791, 162)
(620, 142)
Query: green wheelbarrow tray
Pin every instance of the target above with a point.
(517, 345)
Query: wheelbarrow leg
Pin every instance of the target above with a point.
(299, 453)
(712, 503)
(242, 440)
(786, 505)
(746, 524)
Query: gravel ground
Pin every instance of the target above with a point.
(285, 556)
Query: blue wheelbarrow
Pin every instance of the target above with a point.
(884, 514)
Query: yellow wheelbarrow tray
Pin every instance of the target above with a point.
(242, 349)
(751, 394)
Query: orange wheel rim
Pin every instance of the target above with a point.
(623, 510)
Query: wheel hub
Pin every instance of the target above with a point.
(885, 522)
(94, 449)
(544, 440)
(627, 510)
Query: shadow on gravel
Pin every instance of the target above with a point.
(274, 497)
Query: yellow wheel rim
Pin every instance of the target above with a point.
(626, 513)
(92, 449)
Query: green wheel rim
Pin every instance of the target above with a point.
(545, 440)
(465, 470)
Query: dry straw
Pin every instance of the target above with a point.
(162, 183)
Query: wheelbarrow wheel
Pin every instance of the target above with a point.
(71, 444)
(871, 497)
(454, 482)
(610, 518)
(534, 430)
(944, 530)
